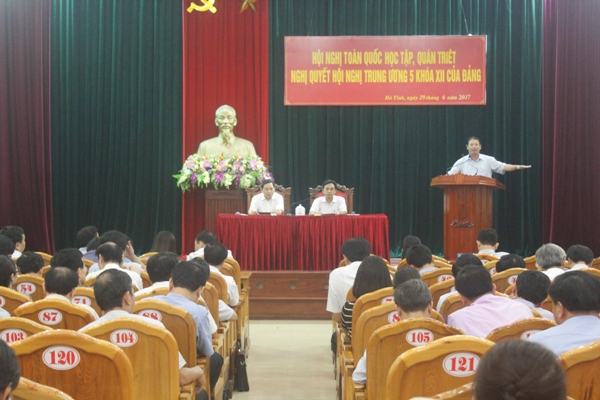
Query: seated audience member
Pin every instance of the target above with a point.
(187, 282)
(517, 369)
(84, 236)
(30, 263)
(130, 260)
(8, 272)
(372, 275)
(215, 255)
(575, 305)
(7, 247)
(110, 256)
(409, 242)
(531, 289)
(114, 295)
(90, 254)
(202, 239)
(420, 257)
(487, 243)
(461, 261)
(550, 259)
(226, 313)
(341, 279)
(509, 261)
(268, 201)
(159, 268)
(404, 274)
(164, 241)
(70, 258)
(17, 235)
(60, 284)
(329, 203)
(579, 257)
(413, 300)
(483, 312)
(10, 373)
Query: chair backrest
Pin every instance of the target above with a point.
(11, 299)
(155, 292)
(81, 366)
(286, 193)
(530, 262)
(14, 328)
(45, 270)
(229, 270)
(30, 390)
(87, 263)
(144, 257)
(177, 321)
(220, 284)
(388, 342)
(441, 288)
(596, 263)
(146, 282)
(368, 322)
(343, 191)
(437, 275)
(366, 301)
(592, 271)
(520, 330)
(56, 314)
(451, 304)
(510, 290)
(487, 257)
(31, 285)
(45, 256)
(439, 366)
(491, 266)
(89, 282)
(464, 392)
(441, 263)
(144, 344)
(504, 279)
(85, 296)
(211, 298)
(581, 367)
(547, 304)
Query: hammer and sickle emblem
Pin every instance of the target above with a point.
(209, 5)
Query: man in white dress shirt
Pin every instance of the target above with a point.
(130, 259)
(202, 239)
(550, 259)
(84, 236)
(420, 258)
(329, 203)
(487, 243)
(579, 257)
(60, 284)
(17, 235)
(215, 254)
(531, 289)
(110, 256)
(268, 201)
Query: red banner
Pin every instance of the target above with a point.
(385, 70)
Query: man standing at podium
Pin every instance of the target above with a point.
(479, 164)
(226, 143)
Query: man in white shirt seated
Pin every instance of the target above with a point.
(487, 243)
(268, 201)
(579, 257)
(130, 260)
(329, 203)
(60, 284)
(462, 261)
(17, 235)
(84, 236)
(550, 259)
(114, 295)
(110, 256)
(202, 239)
(70, 258)
(420, 258)
(509, 261)
(8, 275)
(215, 254)
(531, 289)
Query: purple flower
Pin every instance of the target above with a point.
(236, 181)
(219, 177)
(194, 179)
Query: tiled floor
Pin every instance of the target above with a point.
(289, 360)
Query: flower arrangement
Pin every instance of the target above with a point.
(221, 172)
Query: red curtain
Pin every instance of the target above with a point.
(571, 123)
(25, 164)
(225, 61)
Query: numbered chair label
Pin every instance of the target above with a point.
(393, 317)
(387, 299)
(512, 279)
(527, 334)
(461, 364)
(444, 278)
(12, 335)
(154, 314)
(26, 288)
(61, 358)
(124, 337)
(50, 316)
(82, 300)
(2, 301)
(419, 337)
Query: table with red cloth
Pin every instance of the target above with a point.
(298, 243)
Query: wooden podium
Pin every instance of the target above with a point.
(207, 204)
(468, 208)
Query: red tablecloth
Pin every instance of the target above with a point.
(298, 243)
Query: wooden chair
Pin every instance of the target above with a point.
(487, 257)
(547, 304)
(44, 270)
(88, 263)
(56, 314)
(220, 284)
(441, 264)
(388, 342)
(146, 282)
(596, 263)
(464, 392)
(402, 263)
(285, 192)
(510, 290)
(30, 285)
(211, 298)
(592, 271)
(11, 299)
(520, 330)
(491, 266)
(439, 366)
(229, 327)
(14, 329)
(504, 279)
(581, 367)
(29, 390)
(436, 276)
(45, 256)
(366, 301)
(89, 282)
(85, 296)
(81, 366)
(156, 292)
(439, 289)
(343, 191)
(144, 344)
(530, 263)
(451, 304)
(144, 257)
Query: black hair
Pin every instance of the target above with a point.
(488, 237)
(533, 286)
(7, 247)
(465, 259)
(30, 262)
(356, 249)
(206, 237)
(10, 373)
(215, 253)
(117, 237)
(160, 266)
(93, 244)
(578, 291)
(328, 181)
(419, 255)
(473, 281)
(110, 252)
(509, 261)
(409, 242)
(61, 280)
(412, 295)
(70, 258)
(266, 182)
(14, 233)
(110, 287)
(86, 234)
(189, 275)
(165, 241)
(7, 270)
(404, 274)
(473, 138)
(579, 253)
(372, 274)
